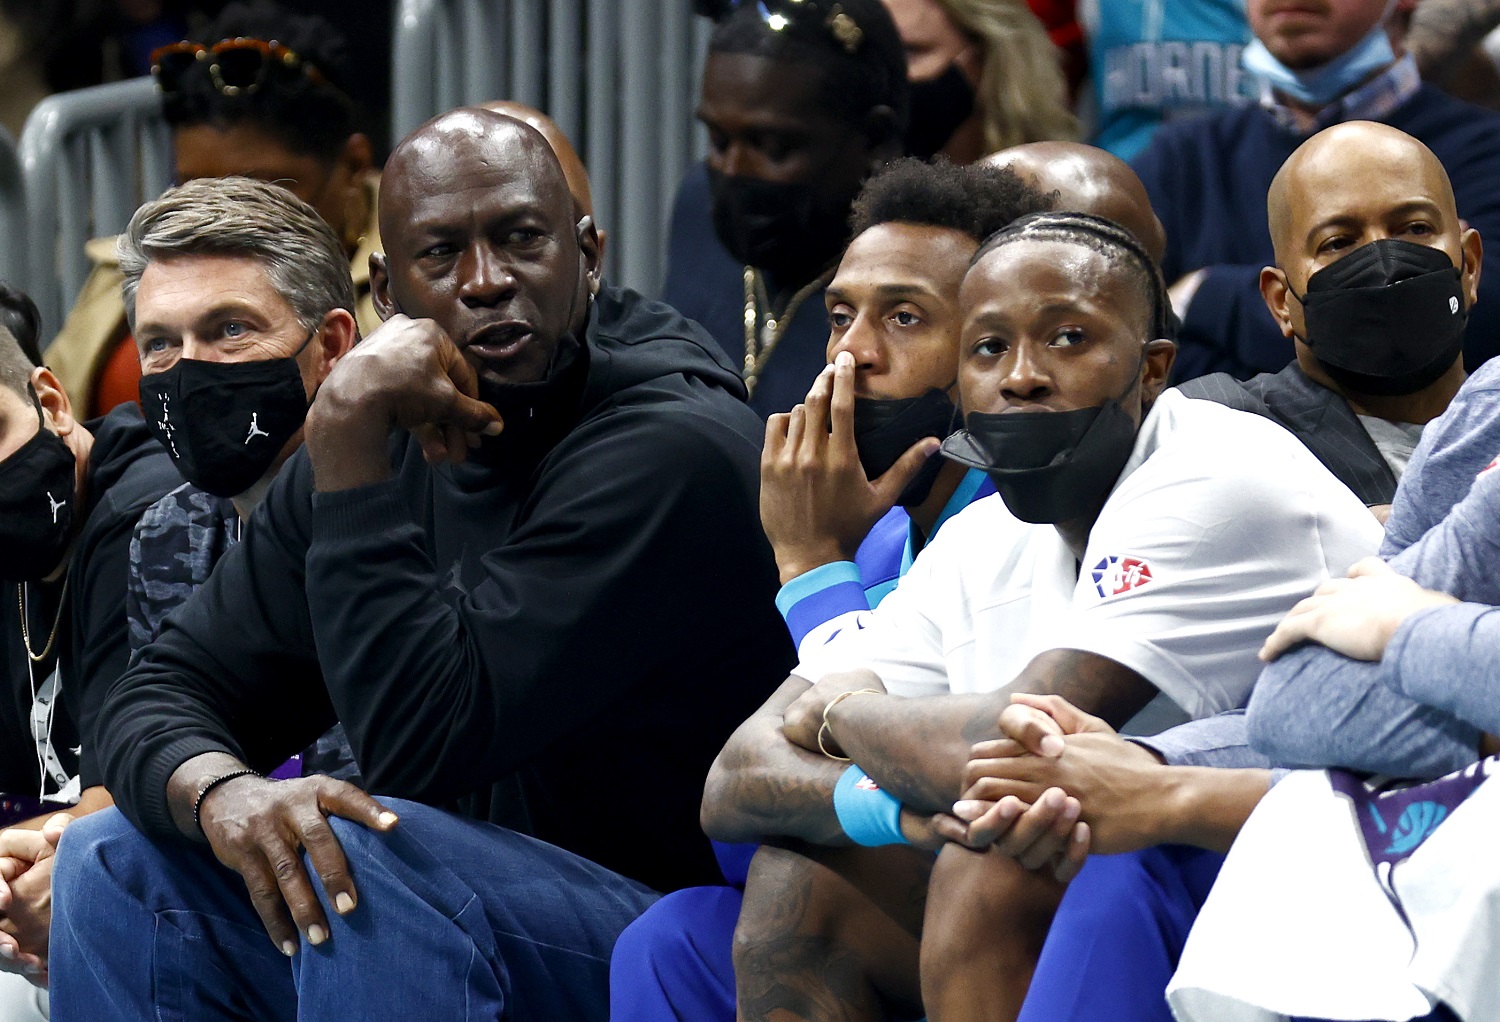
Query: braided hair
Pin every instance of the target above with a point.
(1116, 244)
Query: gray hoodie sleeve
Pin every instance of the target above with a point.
(1449, 658)
(1217, 741)
(1315, 708)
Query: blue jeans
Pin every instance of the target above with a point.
(457, 920)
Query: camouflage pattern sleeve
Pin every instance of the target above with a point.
(176, 544)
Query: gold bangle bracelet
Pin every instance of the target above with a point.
(823, 748)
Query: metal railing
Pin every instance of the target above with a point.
(88, 158)
(620, 79)
(12, 214)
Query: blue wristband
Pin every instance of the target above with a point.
(869, 816)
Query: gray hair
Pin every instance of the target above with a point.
(239, 216)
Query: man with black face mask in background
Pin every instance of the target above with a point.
(1319, 64)
(1373, 281)
(802, 102)
(1123, 561)
(70, 495)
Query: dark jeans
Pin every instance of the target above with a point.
(456, 920)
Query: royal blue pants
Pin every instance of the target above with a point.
(674, 963)
(1114, 945)
(456, 920)
(1117, 936)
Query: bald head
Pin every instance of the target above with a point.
(1347, 187)
(455, 150)
(1088, 180)
(482, 237)
(573, 168)
(1356, 169)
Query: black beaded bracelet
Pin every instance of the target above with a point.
(211, 785)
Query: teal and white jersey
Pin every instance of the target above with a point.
(1154, 60)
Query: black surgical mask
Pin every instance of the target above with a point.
(36, 506)
(1388, 318)
(1048, 467)
(224, 423)
(787, 229)
(938, 106)
(886, 428)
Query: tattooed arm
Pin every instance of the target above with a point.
(918, 749)
(770, 780)
(1443, 32)
(761, 785)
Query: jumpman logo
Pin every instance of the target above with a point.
(56, 506)
(165, 424)
(255, 429)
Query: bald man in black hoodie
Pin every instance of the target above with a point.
(488, 564)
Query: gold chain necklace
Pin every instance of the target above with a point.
(62, 602)
(760, 342)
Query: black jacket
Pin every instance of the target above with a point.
(558, 643)
(1317, 416)
(128, 472)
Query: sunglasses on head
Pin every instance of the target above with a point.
(779, 14)
(236, 66)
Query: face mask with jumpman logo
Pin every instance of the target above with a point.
(36, 506)
(224, 423)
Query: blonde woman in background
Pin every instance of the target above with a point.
(984, 77)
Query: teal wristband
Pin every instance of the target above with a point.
(869, 816)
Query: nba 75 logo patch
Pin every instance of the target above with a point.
(1115, 575)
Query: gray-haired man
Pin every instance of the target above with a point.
(239, 310)
(239, 314)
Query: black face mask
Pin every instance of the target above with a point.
(938, 106)
(885, 429)
(788, 230)
(1388, 318)
(1048, 467)
(36, 506)
(224, 423)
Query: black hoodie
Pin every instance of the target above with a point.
(128, 472)
(558, 642)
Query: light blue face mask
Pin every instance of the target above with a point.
(1321, 85)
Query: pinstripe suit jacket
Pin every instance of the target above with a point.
(1317, 416)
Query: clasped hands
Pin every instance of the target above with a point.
(26, 860)
(1059, 785)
